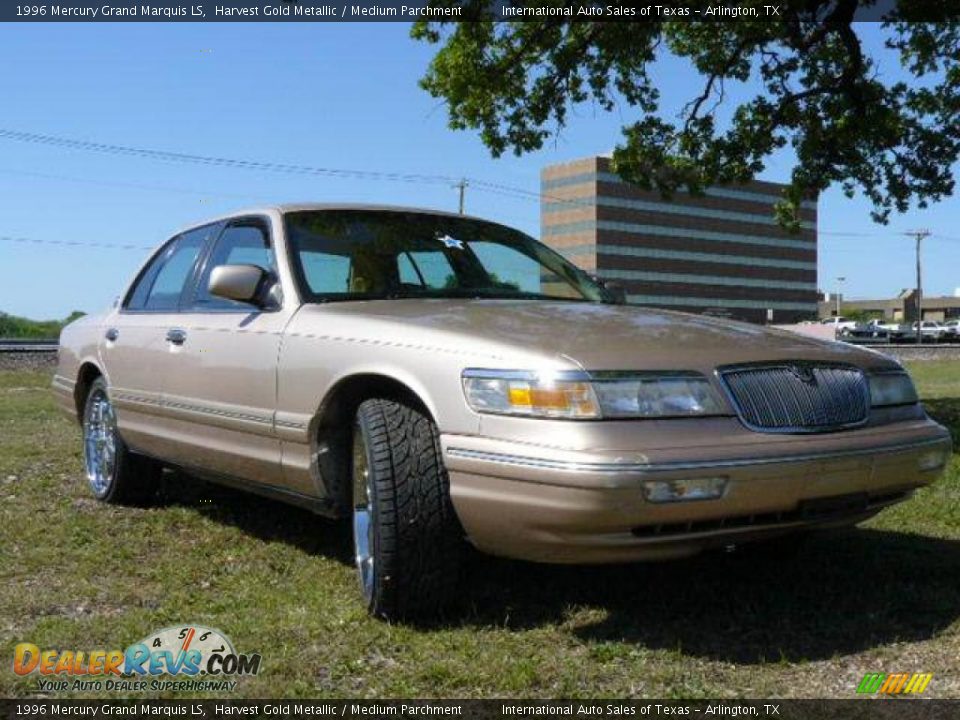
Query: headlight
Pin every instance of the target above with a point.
(892, 388)
(581, 395)
(557, 395)
(656, 395)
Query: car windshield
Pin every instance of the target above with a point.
(377, 255)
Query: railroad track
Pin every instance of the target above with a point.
(32, 345)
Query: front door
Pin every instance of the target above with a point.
(222, 394)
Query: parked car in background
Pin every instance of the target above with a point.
(881, 324)
(840, 323)
(930, 331)
(872, 331)
(441, 379)
(951, 330)
(935, 331)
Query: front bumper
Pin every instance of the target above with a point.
(546, 504)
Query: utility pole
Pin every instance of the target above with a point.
(919, 235)
(462, 186)
(840, 281)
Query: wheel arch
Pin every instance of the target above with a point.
(350, 390)
(332, 426)
(86, 374)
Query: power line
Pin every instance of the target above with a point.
(118, 246)
(73, 243)
(520, 193)
(166, 188)
(510, 189)
(168, 156)
(849, 234)
(457, 183)
(132, 151)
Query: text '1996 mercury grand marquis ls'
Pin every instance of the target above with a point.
(441, 378)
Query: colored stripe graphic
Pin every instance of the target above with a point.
(894, 683)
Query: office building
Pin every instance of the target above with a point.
(721, 253)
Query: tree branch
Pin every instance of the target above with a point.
(697, 103)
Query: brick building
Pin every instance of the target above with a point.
(902, 308)
(721, 254)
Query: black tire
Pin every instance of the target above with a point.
(128, 479)
(413, 537)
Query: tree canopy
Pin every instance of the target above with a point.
(12, 326)
(817, 89)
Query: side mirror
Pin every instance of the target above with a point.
(243, 283)
(616, 293)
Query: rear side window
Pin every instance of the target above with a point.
(161, 284)
(243, 243)
(138, 296)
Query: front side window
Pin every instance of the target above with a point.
(326, 272)
(162, 282)
(426, 269)
(375, 255)
(242, 243)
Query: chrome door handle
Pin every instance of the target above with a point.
(112, 334)
(177, 336)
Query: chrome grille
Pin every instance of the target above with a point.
(798, 397)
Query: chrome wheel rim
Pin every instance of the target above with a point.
(362, 515)
(99, 442)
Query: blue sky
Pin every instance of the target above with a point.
(329, 95)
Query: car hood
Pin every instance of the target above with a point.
(593, 336)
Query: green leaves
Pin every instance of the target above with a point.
(818, 92)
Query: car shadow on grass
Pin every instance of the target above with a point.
(263, 518)
(804, 597)
(800, 598)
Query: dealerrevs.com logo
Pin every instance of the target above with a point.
(196, 657)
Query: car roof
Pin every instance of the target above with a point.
(284, 208)
(307, 206)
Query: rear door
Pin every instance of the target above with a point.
(134, 348)
(222, 392)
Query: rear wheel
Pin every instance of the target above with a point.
(115, 474)
(407, 539)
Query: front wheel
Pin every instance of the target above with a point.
(115, 474)
(407, 539)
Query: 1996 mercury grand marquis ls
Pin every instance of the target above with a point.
(441, 378)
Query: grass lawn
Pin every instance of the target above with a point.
(788, 619)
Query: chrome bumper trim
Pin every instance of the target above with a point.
(604, 468)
